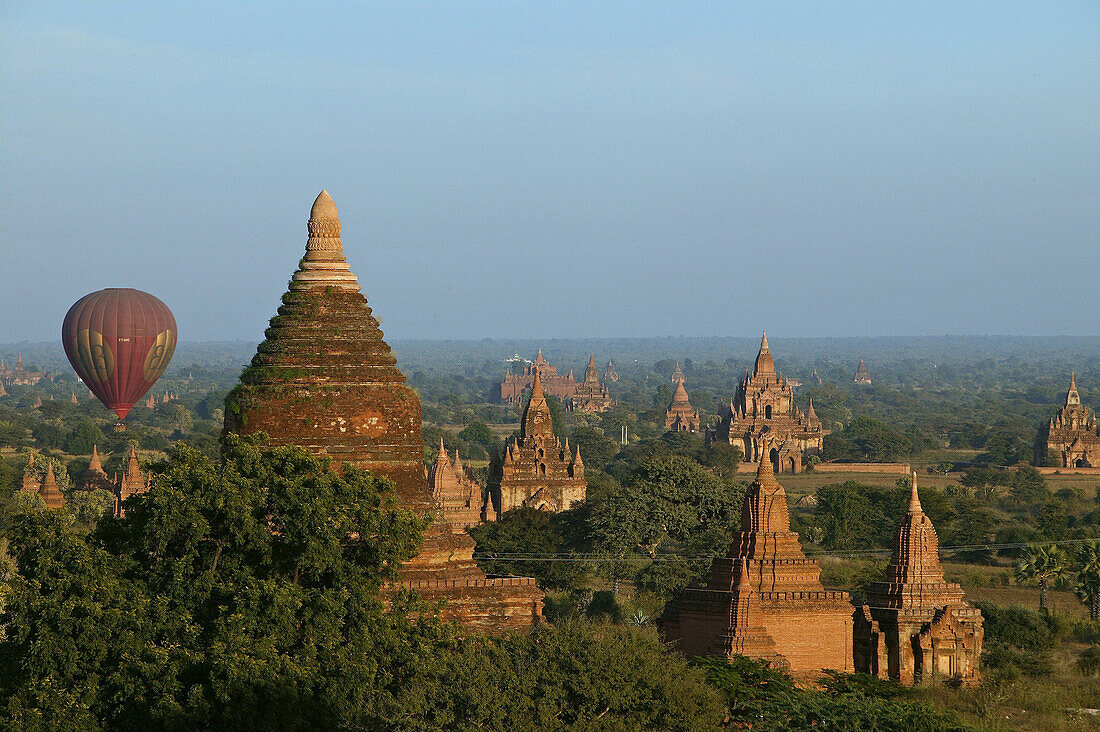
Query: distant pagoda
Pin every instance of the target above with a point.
(680, 415)
(456, 494)
(325, 379)
(591, 396)
(516, 385)
(610, 373)
(862, 376)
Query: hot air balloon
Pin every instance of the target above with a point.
(119, 342)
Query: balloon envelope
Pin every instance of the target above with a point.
(119, 341)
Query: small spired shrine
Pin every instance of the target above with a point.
(765, 598)
(763, 420)
(536, 470)
(680, 415)
(325, 379)
(591, 396)
(455, 491)
(1070, 439)
(916, 626)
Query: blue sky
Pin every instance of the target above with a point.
(560, 169)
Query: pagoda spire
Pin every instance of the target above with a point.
(94, 463)
(1073, 398)
(914, 499)
(536, 415)
(324, 264)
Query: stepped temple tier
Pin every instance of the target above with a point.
(591, 396)
(765, 598)
(1070, 440)
(764, 422)
(916, 625)
(514, 386)
(535, 470)
(324, 379)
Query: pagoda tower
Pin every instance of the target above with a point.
(916, 625)
(1070, 439)
(681, 416)
(30, 477)
(811, 627)
(325, 379)
(50, 492)
(591, 396)
(95, 477)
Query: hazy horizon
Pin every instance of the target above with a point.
(574, 171)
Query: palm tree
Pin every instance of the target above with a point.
(1044, 564)
(1088, 576)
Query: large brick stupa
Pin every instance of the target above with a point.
(325, 379)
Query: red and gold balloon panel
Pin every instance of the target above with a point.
(119, 342)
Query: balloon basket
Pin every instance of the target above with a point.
(120, 426)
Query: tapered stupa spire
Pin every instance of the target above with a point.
(94, 463)
(765, 364)
(914, 499)
(324, 264)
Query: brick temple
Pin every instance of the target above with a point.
(591, 395)
(1070, 440)
(763, 420)
(916, 625)
(515, 386)
(764, 590)
(325, 379)
(535, 470)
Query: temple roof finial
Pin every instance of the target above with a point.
(324, 264)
